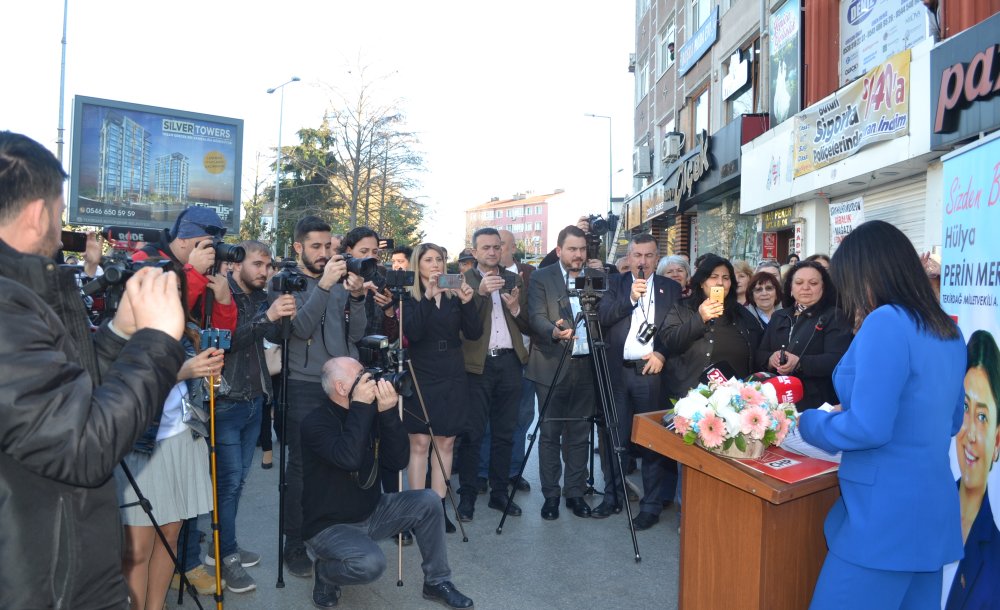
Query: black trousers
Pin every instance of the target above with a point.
(303, 397)
(494, 397)
(564, 442)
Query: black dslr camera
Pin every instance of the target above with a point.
(598, 226)
(227, 253)
(366, 268)
(288, 278)
(382, 362)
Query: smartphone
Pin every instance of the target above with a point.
(450, 280)
(509, 282)
(717, 294)
(74, 242)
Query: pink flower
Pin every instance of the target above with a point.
(681, 424)
(751, 396)
(783, 424)
(754, 422)
(712, 430)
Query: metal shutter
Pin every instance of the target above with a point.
(902, 204)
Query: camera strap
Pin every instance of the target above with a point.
(649, 302)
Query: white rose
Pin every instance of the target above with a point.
(732, 419)
(768, 391)
(722, 396)
(690, 404)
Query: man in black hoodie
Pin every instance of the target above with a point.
(345, 446)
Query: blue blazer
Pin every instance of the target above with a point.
(976, 584)
(902, 399)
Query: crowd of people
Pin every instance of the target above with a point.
(89, 423)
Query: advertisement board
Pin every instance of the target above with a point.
(844, 217)
(141, 165)
(785, 27)
(871, 109)
(970, 293)
(872, 31)
(698, 44)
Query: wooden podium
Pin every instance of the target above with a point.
(747, 540)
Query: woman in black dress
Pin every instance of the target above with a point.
(435, 321)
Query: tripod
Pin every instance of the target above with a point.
(286, 333)
(595, 341)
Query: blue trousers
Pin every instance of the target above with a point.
(843, 584)
(237, 428)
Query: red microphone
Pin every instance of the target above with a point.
(788, 389)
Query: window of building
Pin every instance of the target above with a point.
(641, 79)
(700, 9)
(666, 48)
(538, 209)
(746, 102)
(700, 112)
(538, 226)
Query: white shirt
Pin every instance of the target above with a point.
(580, 345)
(643, 311)
(171, 422)
(499, 333)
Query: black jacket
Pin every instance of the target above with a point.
(252, 326)
(62, 431)
(690, 343)
(819, 339)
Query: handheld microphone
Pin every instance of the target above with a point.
(131, 234)
(717, 372)
(642, 272)
(788, 389)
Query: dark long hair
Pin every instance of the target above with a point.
(877, 265)
(984, 353)
(706, 265)
(829, 297)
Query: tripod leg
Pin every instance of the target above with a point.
(183, 562)
(283, 405)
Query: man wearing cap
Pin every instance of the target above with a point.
(466, 260)
(189, 245)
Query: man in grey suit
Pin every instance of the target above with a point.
(551, 314)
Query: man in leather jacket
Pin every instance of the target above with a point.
(71, 405)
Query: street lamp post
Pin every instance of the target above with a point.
(610, 162)
(277, 165)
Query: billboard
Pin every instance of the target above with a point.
(142, 165)
(871, 109)
(970, 293)
(785, 27)
(871, 31)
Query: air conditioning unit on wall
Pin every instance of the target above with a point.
(673, 144)
(642, 167)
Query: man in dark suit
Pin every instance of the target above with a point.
(493, 363)
(633, 311)
(551, 314)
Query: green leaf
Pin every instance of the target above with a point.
(769, 437)
(741, 443)
(726, 444)
(690, 437)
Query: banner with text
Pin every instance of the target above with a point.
(844, 217)
(869, 110)
(871, 31)
(970, 293)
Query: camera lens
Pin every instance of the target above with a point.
(229, 253)
(366, 268)
(401, 382)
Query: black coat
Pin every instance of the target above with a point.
(819, 339)
(689, 341)
(62, 431)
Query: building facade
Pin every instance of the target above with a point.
(124, 160)
(170, 178)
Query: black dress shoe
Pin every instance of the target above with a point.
(550, 509)
(520, 484)
(579, 507)
(605, 509)
(325, 595)
(500, 503)
(644, 520)
(407, 536)
(446, 594)
(466, 508)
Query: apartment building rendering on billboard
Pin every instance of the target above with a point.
(170, 178)
(123, 170)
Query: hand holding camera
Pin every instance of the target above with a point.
(202, 258)
(386, 395)
(490, 283)
(208, 363)
(510, 300)
(219, 285)
(333, 271)
(152, 300)
(283, 306)
(712, 307)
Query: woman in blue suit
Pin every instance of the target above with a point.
(897, 521)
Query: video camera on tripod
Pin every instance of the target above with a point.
(383, 362)
(598, 226)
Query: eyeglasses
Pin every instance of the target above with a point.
(211, 230)
(763, 288)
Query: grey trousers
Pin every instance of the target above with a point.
(347, 554)
(565, 432)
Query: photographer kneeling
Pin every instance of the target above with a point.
(344, 447)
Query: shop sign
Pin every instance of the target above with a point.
(871, 31)
(688, 172)
(694, 238)
(800, 235)
(965, 84)
(844, 218)
(784, 68)
(699, 44)
(776, 220)
(737, 78)
(869, 110)
(769, 249)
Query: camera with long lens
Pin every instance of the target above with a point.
(366, 268)
(382, 362)
(227, 253)
(103, 294)
(598, 226)
(288, 278)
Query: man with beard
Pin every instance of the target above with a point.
(238, 409)
(566, 427)
(330, 319)
(72, 403)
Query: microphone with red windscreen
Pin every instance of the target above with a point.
(788, 389)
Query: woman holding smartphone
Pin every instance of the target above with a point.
(807, 338)
(434, 323)
(709, 328)
(897, 521)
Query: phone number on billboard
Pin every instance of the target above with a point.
(103, 212)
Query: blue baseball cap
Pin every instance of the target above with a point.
(197, 221)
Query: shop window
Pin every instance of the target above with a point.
(748, 101)
(700, 113)
(667, 49)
